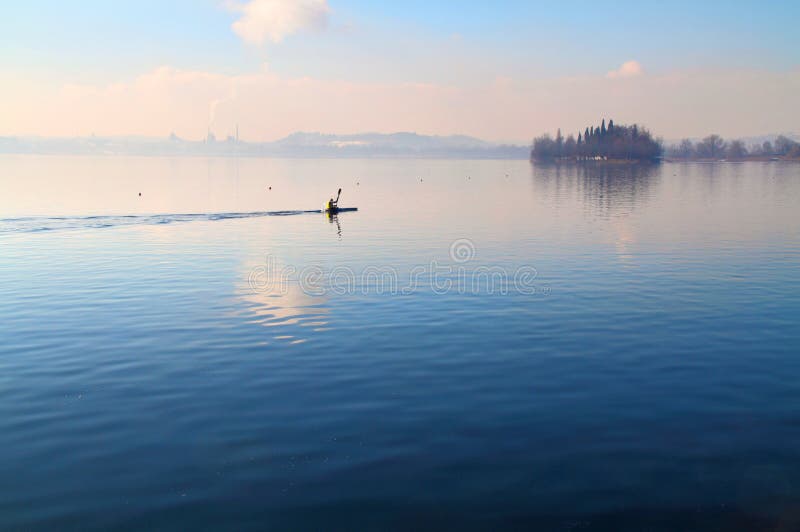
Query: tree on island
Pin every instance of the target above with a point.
(615, 142)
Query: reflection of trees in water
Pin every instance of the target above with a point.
(607, 188)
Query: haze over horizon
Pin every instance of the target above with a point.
(503, 73)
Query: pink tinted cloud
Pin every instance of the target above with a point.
(628, 69)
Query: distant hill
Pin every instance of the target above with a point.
(301, 144)
(392, 145)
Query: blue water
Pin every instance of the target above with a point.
(155, 373)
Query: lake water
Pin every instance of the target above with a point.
(483, 345)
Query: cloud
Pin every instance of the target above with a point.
(267, 105)
(628, 69)
(274, 20)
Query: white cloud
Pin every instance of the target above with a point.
(274, 20)
(628, 69)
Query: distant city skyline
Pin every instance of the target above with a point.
(504, 72)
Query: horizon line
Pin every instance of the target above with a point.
(227, 137)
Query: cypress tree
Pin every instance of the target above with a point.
(559, 143)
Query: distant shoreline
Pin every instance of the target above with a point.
(297, 145)
(574, 161)
(593, 162)
(754, 158)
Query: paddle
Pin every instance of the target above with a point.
(337, 197)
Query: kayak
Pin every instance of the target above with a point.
(337, 210)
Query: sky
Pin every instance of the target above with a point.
(502, 70)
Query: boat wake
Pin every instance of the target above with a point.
(41, 224)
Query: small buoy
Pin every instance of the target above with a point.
(140, 194)
(270, 188)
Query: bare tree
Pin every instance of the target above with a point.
(711, 147)
(737, 150)
(685, 150)
(783, 145)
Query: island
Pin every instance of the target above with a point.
(600, 143)
(620, 143)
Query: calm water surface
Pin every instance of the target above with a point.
(155, 373)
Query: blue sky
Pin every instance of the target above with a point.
(50, 43)
(105, 39)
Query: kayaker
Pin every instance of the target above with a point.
(333, 204)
